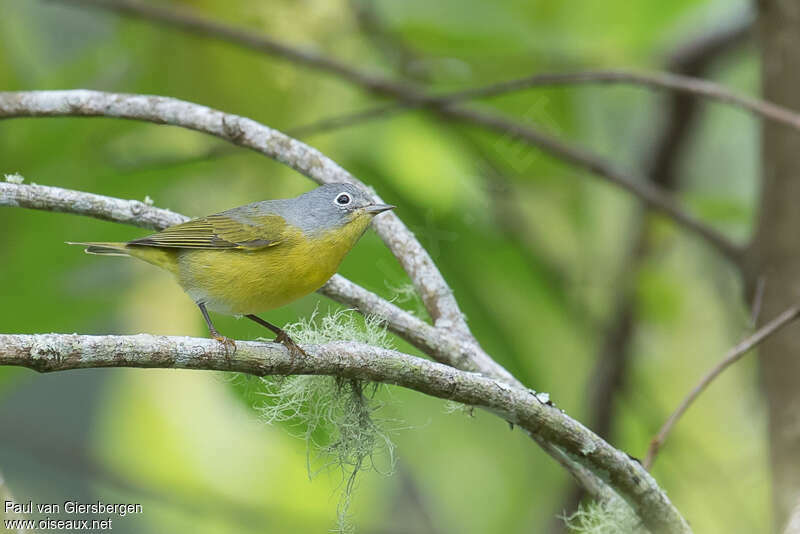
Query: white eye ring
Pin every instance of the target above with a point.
(343, 199)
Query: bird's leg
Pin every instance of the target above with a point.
(229, 344)
(280, 336)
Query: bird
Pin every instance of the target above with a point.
(257, 257)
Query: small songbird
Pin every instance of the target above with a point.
(257, 257)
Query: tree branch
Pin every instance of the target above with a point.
(734, 355)
(608, 379)
(409, 94)
(413, 95)
(443, 347)
(247, 133)
(58, 352)
(651, 80)
(433, 289)
(450, 344)
(651, 195)
(449, 349)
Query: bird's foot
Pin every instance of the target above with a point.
(293, 348)
(227, 343)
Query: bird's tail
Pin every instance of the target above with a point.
(104, 249)
(165, 258)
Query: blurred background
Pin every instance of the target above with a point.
(563, 279)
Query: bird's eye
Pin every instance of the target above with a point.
(343, 199)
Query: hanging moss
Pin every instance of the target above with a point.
(614, 517)
(335, 416)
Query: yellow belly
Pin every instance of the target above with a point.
(240, 282)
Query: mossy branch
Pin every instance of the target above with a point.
(448, 339)
(60, 352)
(445, 346)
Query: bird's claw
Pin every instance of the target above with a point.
(227, 343)
(294, 349)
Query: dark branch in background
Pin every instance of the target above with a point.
(652, 196)
(734, 355)
(399, 52)
(55, 352)
(650, 80)
(649, 194)
(655, 80)
(607, 380)
(681, 114)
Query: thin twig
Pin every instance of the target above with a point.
(57, 352)
(185, 20)
(651, 80)
(413, 96)
(608, 379)
(651, 195)
(730, 358)
(758, 301)
(416, 97)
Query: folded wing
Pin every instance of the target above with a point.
(220, 232)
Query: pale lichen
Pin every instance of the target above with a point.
(408, 295)
(588, 447)
(613, 517)
(335, 416)
(14, 178)
(451, 407)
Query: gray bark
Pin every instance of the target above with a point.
(775, 253)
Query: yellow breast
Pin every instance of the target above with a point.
(239, 282)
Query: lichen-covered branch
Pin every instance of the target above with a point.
(49, 198)
(447, 348)
(58, 352)
(451, 339)
(732, 356)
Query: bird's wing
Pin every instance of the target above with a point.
(220, 232)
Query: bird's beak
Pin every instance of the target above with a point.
(378, 208)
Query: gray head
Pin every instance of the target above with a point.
(328, 206)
